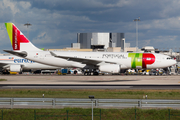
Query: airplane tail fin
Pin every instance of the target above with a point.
(18, 40)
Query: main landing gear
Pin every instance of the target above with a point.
(94, 72)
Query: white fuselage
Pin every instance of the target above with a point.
(6, 61)
(123, 59)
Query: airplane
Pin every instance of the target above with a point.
(17, 64)
(110, 62)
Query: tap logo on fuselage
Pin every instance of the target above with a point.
(141, 60)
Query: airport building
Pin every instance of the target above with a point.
(100, 41)
(109, 42)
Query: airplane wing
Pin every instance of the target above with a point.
(20, 54)
(82, 60)
(6, 64)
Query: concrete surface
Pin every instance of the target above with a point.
(91, 80)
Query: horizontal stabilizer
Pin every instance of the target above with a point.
(20, 54)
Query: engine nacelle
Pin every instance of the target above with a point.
(110, 68)
(15, 68)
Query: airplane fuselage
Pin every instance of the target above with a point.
(125, 60)
(6, 61)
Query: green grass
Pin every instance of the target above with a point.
(76, 93)
(3, 79)
(106, 114)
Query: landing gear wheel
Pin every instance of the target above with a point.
(86, 73)
(75, 72)
(95, 73)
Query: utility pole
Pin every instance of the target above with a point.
(137, 19)
(27, 24)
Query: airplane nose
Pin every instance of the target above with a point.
(174, 61)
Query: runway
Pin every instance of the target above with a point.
(89, 82)
(49, 86)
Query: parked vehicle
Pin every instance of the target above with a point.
(64, 71)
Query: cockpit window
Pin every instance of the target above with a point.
(169, 58)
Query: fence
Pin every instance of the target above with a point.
(67, 115)
(1, 115)
(173, 113)
(85, 114)
(98, 103)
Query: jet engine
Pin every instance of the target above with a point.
(110, 68)
(15, 68)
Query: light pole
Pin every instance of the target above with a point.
(27, 24)
(137, 19)
(92, 97)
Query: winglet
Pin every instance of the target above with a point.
(53, 54)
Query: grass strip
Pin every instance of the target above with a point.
(98, 93)
(3, 79)
(85, 114)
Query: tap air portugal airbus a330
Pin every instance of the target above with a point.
(110, 62)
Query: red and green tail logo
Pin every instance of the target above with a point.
(15, 36)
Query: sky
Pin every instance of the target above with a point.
(55, 23)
